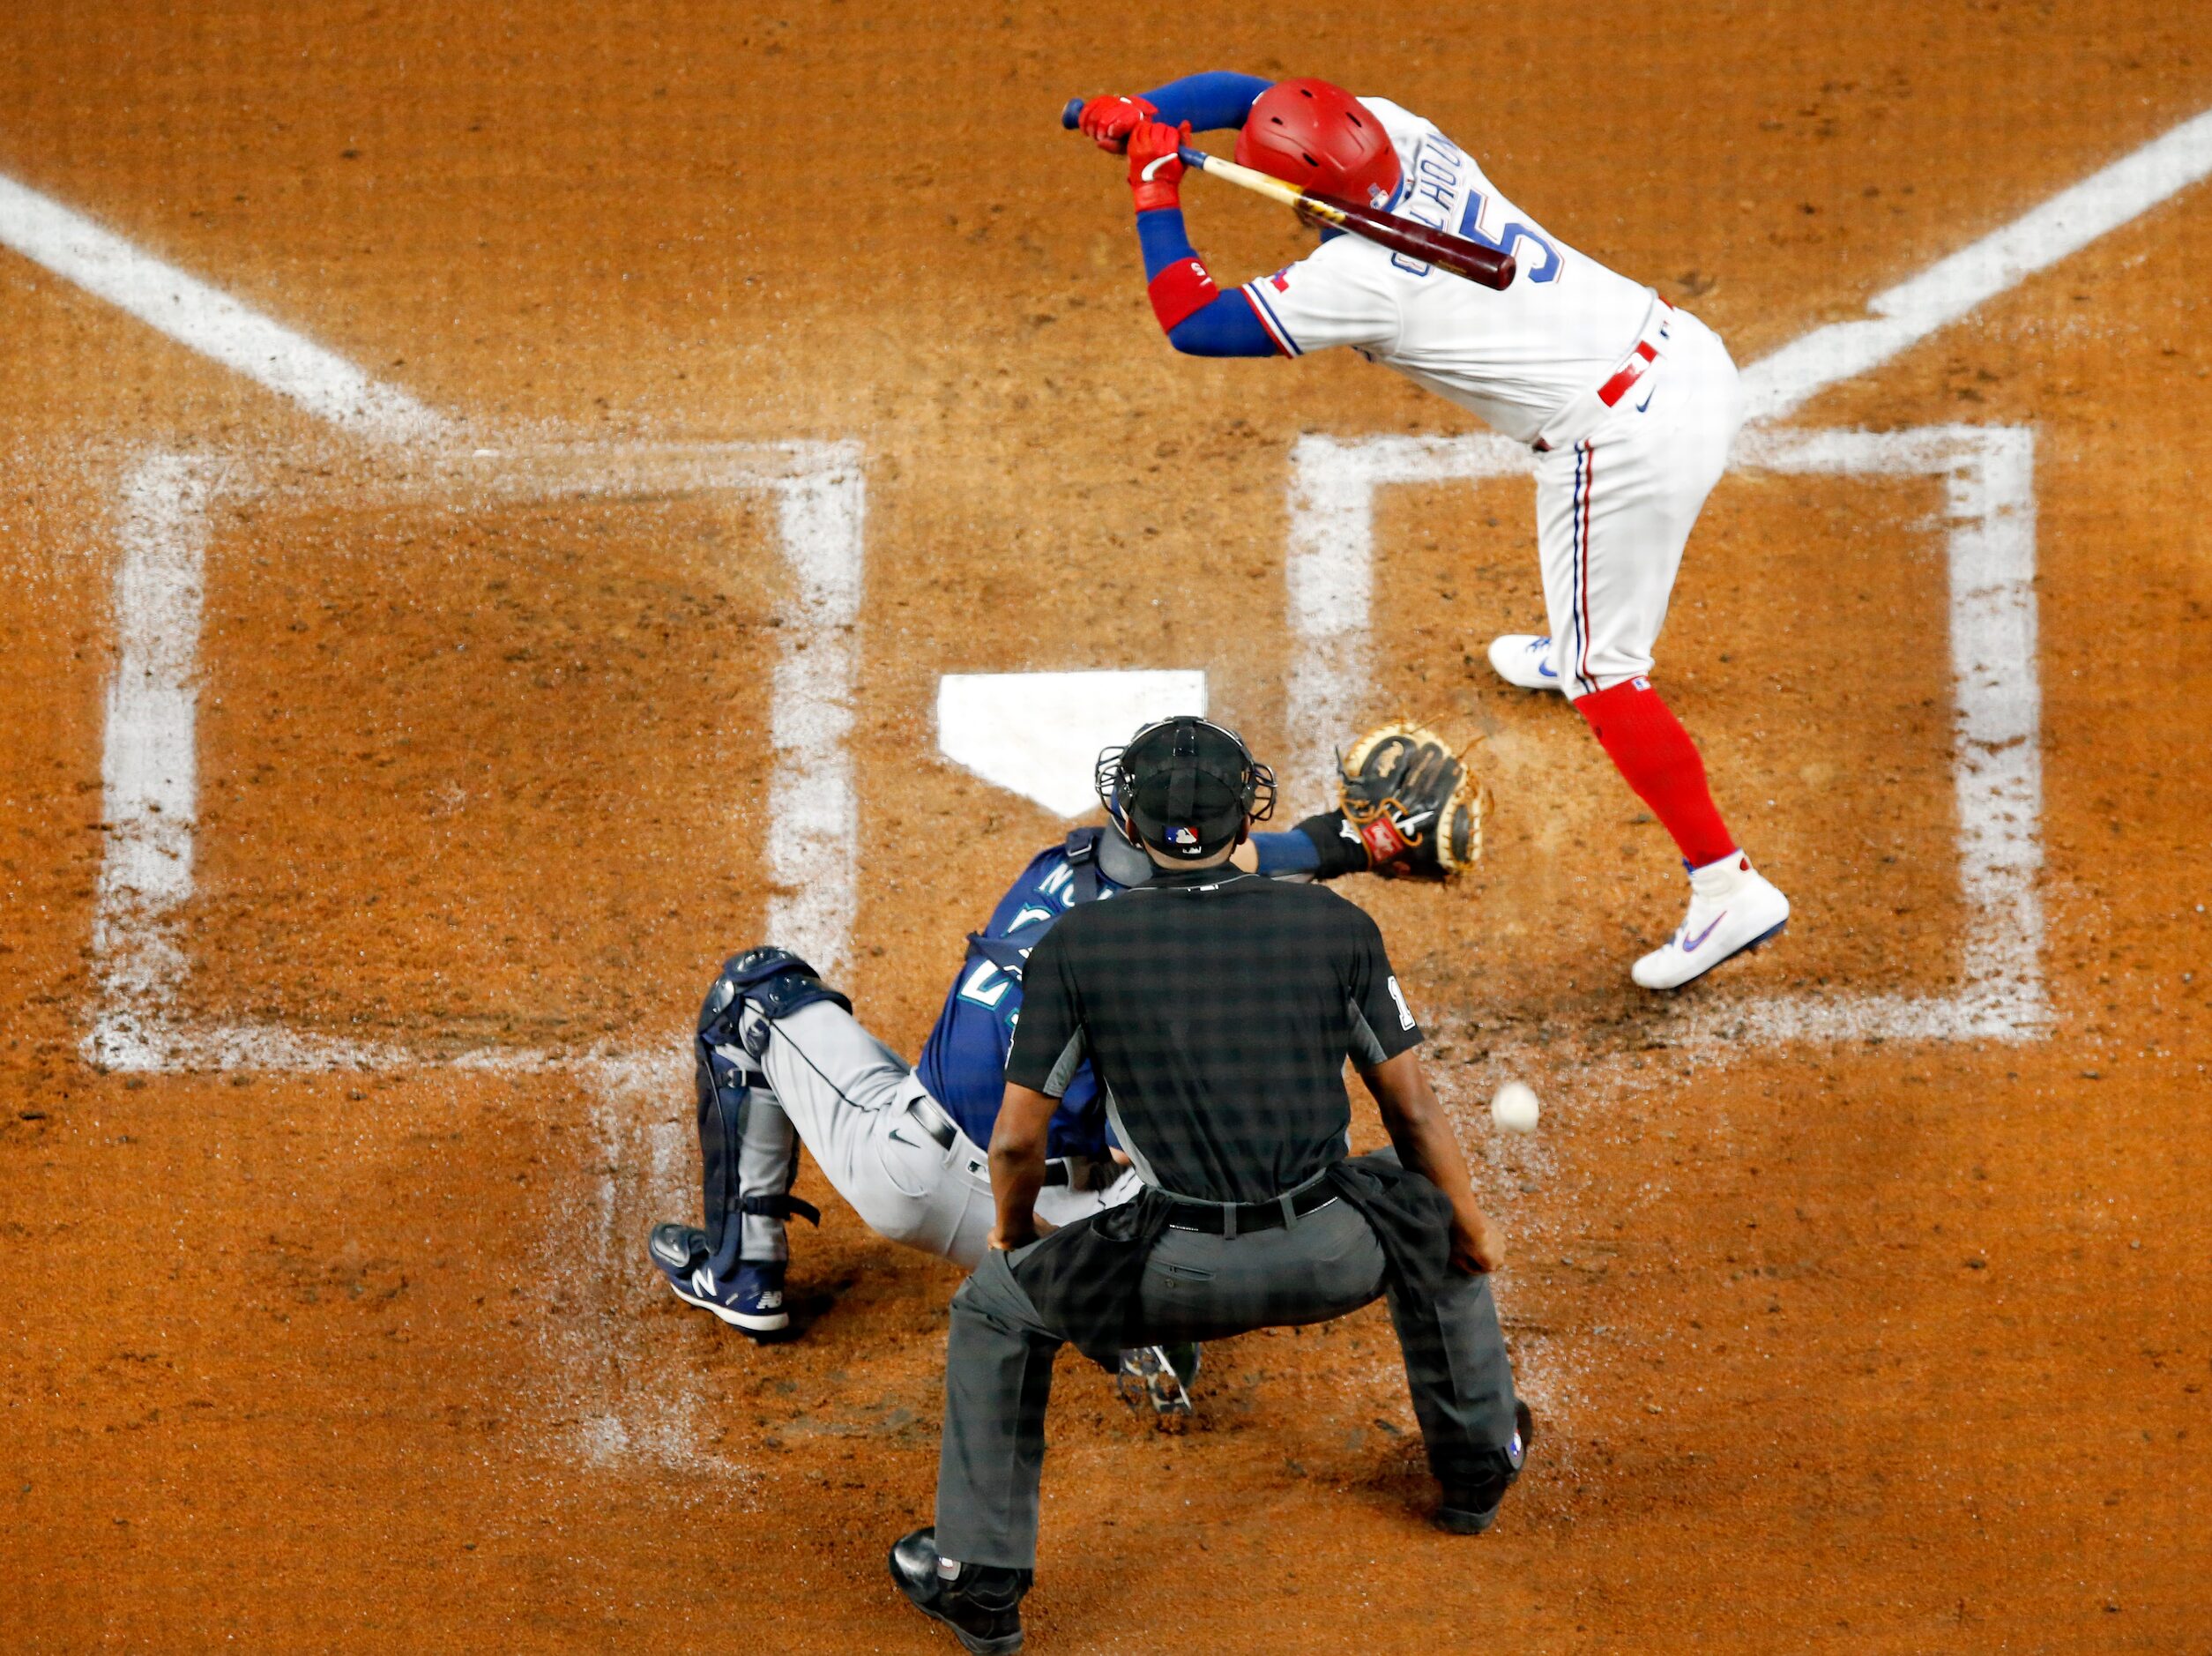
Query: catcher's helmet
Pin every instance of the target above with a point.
(1320, 137)
(1185, 786)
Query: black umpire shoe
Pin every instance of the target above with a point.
(983, 1605)
(1469, 1512)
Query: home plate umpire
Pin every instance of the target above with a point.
(1217, 1010)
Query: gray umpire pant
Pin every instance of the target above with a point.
(999, 1358)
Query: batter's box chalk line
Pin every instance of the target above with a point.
(149, 769)
(1988, 474)
(149, 761)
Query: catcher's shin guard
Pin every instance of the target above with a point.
(748, 1159)
(748, 1153)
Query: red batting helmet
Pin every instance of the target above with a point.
(1320, 137)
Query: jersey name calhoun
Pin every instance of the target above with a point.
(1513, 358)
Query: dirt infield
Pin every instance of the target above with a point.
(329, 1146)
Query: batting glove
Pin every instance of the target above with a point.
(1156, 165)
(1108, 121)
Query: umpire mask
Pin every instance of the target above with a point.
(1186, 787)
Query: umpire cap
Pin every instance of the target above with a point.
(1185, 786)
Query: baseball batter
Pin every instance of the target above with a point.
(781, 1061)
(1630, 403)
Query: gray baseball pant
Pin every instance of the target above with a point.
(846, 1095)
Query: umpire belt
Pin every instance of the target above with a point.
(932, 1118)
(1234, 1219)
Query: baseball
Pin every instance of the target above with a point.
(1513, 1107)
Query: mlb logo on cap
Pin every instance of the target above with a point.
(1182, 836)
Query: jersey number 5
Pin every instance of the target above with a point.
(1470, 227)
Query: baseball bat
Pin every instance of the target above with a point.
(1484, 265)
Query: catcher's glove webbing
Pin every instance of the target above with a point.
(1413, 801)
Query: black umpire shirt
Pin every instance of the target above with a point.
(1217, 1008)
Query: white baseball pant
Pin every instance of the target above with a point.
(1614, 507)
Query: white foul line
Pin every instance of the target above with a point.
(210, 322)
(1908, 313)
(150, 763)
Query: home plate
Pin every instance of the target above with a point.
(1038, 735)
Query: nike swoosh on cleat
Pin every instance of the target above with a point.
(1543, 670)
(1689, 944)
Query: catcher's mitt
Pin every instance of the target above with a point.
(1413, 802)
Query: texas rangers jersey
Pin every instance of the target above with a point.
(1514, 358)
(964, 1063)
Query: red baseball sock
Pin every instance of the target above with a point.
(1650, 748)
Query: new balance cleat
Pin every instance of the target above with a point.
(981, 1604)
(751, 1298)
(1471, 1511)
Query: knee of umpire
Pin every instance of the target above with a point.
(993, 1294)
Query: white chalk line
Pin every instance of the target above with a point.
(150, 755)
(203, 319)
(611, 1376)
(1990, 538)
(209, 321)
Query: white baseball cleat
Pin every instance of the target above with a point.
(1524, 659)
(1733, 908)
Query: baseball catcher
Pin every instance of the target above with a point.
(1629, 403)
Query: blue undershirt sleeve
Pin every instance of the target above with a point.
(1227, 327)
(1161, 235)
(1291, 853)
(1217, 100)
(1223, 328)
